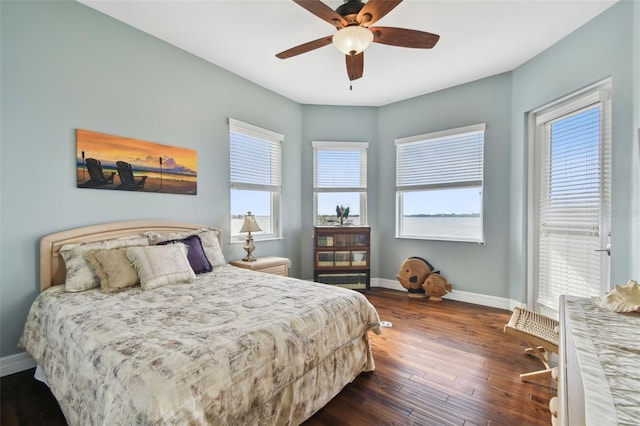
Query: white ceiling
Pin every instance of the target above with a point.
(478, 39)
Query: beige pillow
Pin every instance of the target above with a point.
(208, 236)
(158, 266)
(80, 275)
(114, 269)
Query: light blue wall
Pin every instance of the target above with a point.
(606, 46)
(635, 179)
(468, 266)
(343, 124)
(65, 66)
(602, 48)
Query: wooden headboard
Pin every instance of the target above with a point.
(52, 268)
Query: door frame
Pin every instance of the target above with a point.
(533, 195)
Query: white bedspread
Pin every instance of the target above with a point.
(233, 347)
(607, 346)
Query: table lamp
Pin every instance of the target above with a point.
(250, 225)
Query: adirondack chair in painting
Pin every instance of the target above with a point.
(98, 178)
(127, 180)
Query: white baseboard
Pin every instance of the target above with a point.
(460, 296)
(16, 363)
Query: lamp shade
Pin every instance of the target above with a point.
(353, 39)
(250, 224)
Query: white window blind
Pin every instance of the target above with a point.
(574, 195)
(448, 159)
(255, 157)
(340, 167)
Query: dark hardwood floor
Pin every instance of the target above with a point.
(442, 363)
(445, 363)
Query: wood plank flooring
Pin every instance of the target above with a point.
(444, 363)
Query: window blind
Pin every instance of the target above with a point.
(449, 159)
(340, 167)
(255, 157)
(574, 190)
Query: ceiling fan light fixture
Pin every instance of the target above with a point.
(353, 39)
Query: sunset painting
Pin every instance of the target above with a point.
(112, 162)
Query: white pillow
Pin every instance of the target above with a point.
(80, 275)
(208, 236)
(158, 266)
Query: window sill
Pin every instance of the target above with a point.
(235, 240)
(453, 240)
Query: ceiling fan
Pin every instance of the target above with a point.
(353, 20)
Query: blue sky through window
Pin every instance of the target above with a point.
(459, 201)
(575, 157)
(327, 202)
(257, 202)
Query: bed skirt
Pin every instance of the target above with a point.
(305, 396)
(302, 398)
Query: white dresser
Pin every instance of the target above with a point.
(599, 365)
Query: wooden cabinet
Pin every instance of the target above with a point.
(342, 256)
(269, 264)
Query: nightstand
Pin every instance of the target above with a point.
(269, 264)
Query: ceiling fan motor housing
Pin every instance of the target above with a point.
(349, 11)
(350, 7)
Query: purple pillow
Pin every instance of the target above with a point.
(195, 254)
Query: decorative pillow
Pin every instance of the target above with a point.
(80, 275)
(196, 256)
(208, 237)
(158, 266)
(113, 268)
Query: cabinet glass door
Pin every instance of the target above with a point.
(343, 258)
(325, 258)
(325, 240)
(343, 240)
(359, 258)
(361, 240)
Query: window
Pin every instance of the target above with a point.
(340, 179)
(572, 197)
(439, 185)
(255, 169)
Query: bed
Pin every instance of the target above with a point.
(231, 346)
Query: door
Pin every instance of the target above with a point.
(571, 199)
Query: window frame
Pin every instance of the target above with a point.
(597, 96)
(430, 141)
(362, 148)
(275, 141)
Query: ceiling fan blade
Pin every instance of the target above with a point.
(355, 66)
(404, 38)
(323, 12)
(305, 47)
(373, 10)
